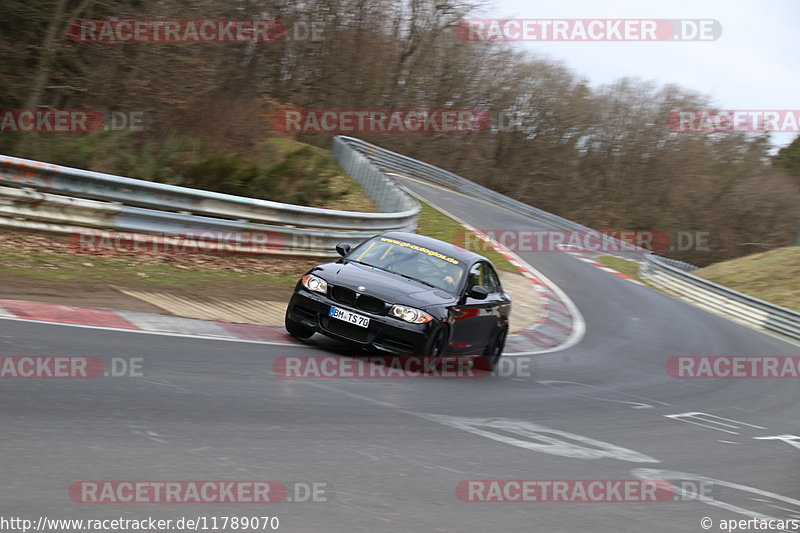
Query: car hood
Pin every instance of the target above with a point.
(384, 285)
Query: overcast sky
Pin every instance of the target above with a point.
(755, 64)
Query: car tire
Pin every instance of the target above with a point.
(297, 329)
(493, 352)
(438, 344)
(435, 349)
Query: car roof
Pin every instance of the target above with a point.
(452, 250)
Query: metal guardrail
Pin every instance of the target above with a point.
(399, 210)
(669, 274)
(392, 161)
(680, 265)
(34, 210)
(721, 299)
(388, 197)
(153, 212)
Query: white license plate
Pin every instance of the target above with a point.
(347, 316)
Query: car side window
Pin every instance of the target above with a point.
(474, 277)
(482, 274)
(495, 279)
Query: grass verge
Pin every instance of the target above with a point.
(773, 276)
(38, 264)
(623, 266)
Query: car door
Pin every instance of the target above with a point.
(474, 321)
(502, 301)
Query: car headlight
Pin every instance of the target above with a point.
(409, 314)
(314, 283)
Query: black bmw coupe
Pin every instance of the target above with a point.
(405, 294)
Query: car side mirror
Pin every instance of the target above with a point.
(343, 249)
(478, 292)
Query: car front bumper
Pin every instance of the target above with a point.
(384, 333)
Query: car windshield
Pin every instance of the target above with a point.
(411, 260)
